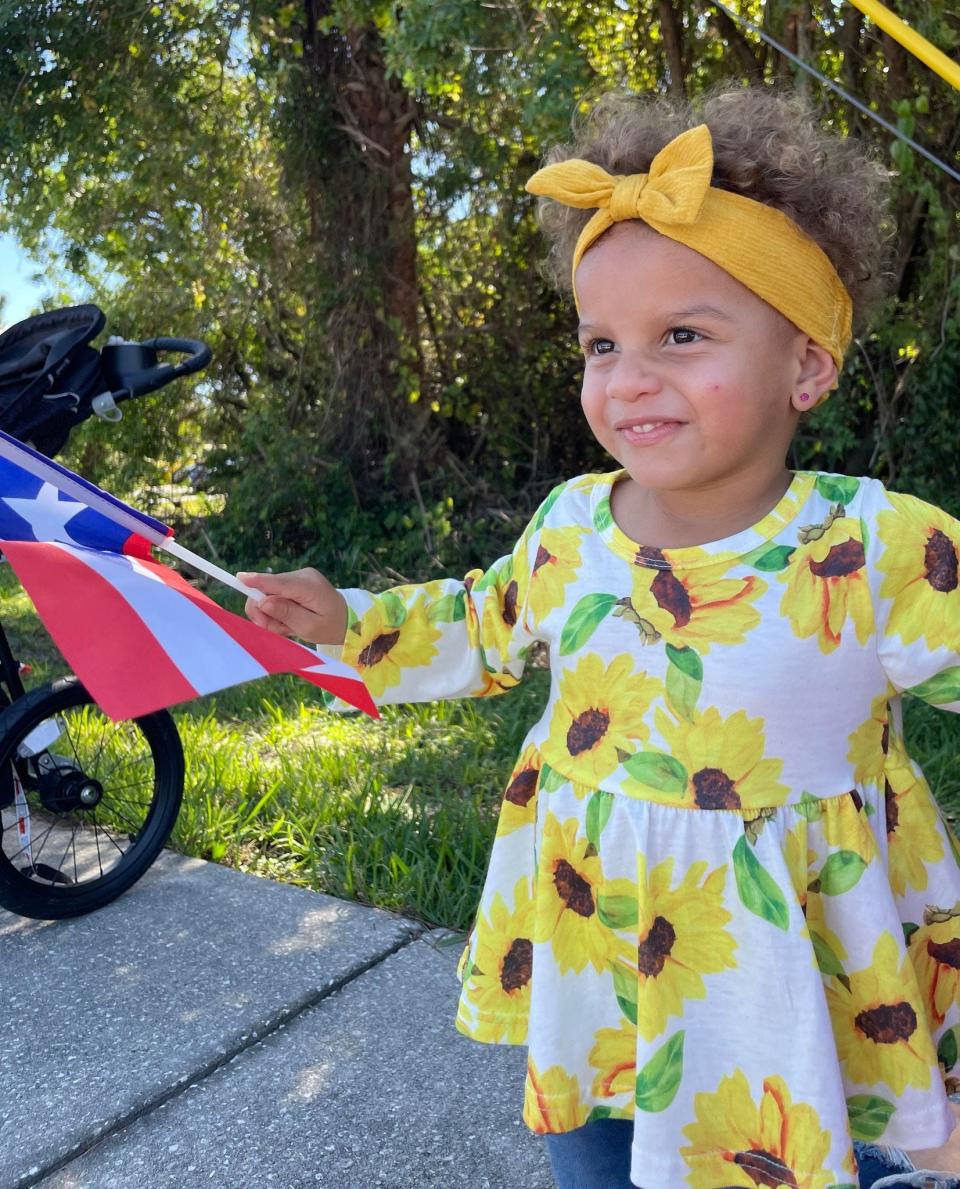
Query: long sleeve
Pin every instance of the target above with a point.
(447, 638)
(914, 556)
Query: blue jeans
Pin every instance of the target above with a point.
(597, 1156)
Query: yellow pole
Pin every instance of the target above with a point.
(911, 40)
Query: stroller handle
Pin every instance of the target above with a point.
(133, 369)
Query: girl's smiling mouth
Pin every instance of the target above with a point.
(647, 431)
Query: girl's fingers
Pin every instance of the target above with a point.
(256, 615)
(307, 587)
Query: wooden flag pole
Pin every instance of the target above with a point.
(207, 567)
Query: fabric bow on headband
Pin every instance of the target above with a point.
(757, 244)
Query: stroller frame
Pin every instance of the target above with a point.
(86, 804)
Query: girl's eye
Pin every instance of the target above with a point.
(681, 336)
(599, 347)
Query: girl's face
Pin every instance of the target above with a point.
(691, 381)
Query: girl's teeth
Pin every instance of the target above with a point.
(647, 426)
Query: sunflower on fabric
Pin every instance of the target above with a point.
(680, 939)
(879, 1023)
(552, 1101)
(497, 979)
(921, 564)
(870, 742)
(554, 566)
(696, 607)
(935, 953)
(723, 760)
(600, 712)
(569, 883)
(826, 582)
(914, 841)
(519, 805)
(389, 639)
(614, 1057)
(737, 1142)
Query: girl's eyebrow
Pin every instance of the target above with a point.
(700, 311)
(694, 311)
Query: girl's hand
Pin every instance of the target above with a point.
(299, 603)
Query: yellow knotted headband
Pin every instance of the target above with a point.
(757, 244)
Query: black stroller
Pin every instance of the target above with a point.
(86, 804)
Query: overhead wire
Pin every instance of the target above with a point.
(828, 82)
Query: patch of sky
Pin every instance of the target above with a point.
(23, 285)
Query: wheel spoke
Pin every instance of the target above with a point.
(137, 768)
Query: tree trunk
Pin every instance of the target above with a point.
(671, 32)
(359, 179)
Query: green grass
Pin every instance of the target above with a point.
(399, 813)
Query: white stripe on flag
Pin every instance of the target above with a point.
(205, 654)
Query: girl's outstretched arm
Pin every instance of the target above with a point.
(299, 603)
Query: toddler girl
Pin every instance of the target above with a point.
(722, 910)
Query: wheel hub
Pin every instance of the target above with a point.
(89, 793)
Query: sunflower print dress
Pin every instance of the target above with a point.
(721, 901)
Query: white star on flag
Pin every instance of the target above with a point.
(47, 515)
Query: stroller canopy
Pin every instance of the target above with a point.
(49, 375)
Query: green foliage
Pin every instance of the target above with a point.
(331, 193)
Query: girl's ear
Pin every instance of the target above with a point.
(817, 374)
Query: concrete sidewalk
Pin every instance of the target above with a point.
(212, 1028)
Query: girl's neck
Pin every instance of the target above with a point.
(680, 519)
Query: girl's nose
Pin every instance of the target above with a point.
(632, 378)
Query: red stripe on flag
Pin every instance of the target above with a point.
(102, 638)
(275, 653)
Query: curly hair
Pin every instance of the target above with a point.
(767, 146)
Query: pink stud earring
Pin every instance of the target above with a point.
(804, 396)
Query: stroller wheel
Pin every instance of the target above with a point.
(44, 872)
(94, 800)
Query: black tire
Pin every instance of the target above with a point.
(102, 797)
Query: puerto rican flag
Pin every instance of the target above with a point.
(138, 636)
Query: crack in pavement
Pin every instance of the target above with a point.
(240, 1044)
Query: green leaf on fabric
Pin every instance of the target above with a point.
(625, 989)
(657, 770)
(617, 912)
(947, 1049)
(602, 516)
(546, 506)
(487, 578)
(838, 489)
(659, 1080)
(809, 806)
(682, 693)
(841, 872)
(551, 779)
(827, 959)
(394, 609)
(940, 689)
(584, 619)
(686, 660)
(864, 534)
(600, 1112)
(869, 1116)
(770, 558)
(451, 608)
(759, 891)
(598, 812)
(909, 928)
